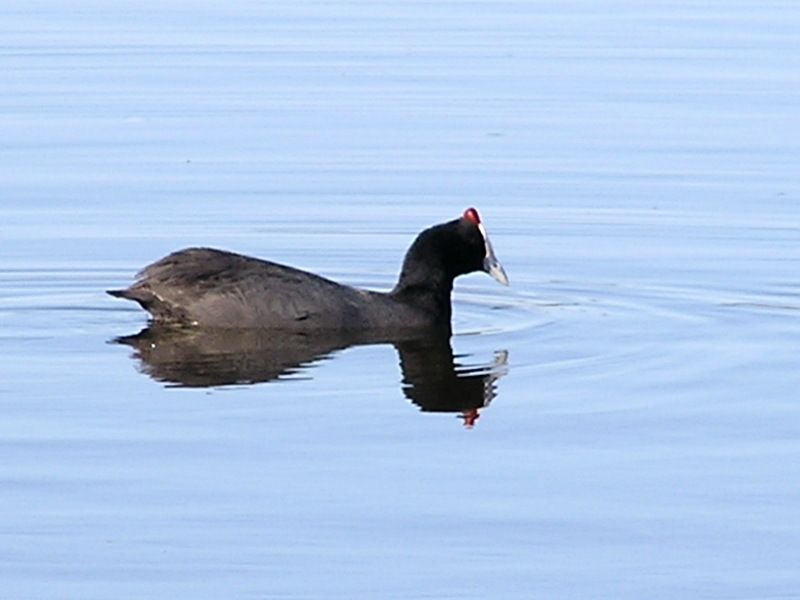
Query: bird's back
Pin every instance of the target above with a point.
(223, 289)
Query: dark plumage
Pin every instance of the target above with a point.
(215, 288)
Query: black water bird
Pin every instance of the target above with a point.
(214, 288)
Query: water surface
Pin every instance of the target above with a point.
(636, 169)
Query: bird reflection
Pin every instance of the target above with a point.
(432, 377)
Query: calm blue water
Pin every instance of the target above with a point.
(636, 166)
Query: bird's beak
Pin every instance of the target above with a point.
(490, 264)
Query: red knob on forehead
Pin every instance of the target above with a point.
(472, 215)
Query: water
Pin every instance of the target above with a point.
(636, 166)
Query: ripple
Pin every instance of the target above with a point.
(41, 303)
(51, 300)
(486, 313)
(592, 330)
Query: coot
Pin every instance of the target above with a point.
(215, 288)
